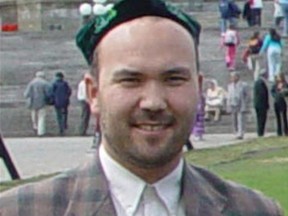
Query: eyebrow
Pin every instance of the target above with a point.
(181, 70)
(178, 71)
(126, 73)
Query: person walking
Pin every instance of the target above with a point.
(83, 98)
(261, 102)
(61, 93)
(278, 14)
(279, 91)
(237, 103)
(229, 14)
(247, 13)
(230, 40)
(284, 6)
(256, 12)
(36, 94)
(273, 46)
(254, 46)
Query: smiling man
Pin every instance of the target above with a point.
(143, 57)
(145, 82)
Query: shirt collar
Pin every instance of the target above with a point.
(169, 188)
(128, 188)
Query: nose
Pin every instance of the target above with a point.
(153, 98)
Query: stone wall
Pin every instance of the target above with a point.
(36, 15)
(42, 15)
(8, 11)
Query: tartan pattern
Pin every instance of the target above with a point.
(84, 192)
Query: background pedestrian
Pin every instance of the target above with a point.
(61, 93)
(83, 98)
(261, 102)
(279, 92)
(36, 93)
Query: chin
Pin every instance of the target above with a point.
(155, 154)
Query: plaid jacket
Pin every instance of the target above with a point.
(84, 192)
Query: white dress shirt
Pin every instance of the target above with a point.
(134, 197)
(81, 91)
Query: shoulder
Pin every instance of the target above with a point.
(48, 195)
(55, 195)
(240, 200)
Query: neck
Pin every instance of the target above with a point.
(154, 174)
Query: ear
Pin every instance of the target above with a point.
(92, 91)
(94, 107)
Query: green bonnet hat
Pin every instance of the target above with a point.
(91, 34)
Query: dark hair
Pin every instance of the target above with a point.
(274, 35)
(59, 74)
(255, 35)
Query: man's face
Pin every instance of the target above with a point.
(147, 91)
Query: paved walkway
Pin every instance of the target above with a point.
(35, 156)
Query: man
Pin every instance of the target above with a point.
(61, 92)
(237, 102)
(261, 102)
(145, 68)
(284, 6)
(229, 13)
(83, 98)
(36, 93)
(247, 13)
(256, 12)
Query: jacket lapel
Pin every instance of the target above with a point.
(200, 197)
(90, 195)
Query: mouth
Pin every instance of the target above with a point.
(152, 128)
(157, 125)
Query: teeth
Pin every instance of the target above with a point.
(151, 127)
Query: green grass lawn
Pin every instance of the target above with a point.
(261, 164)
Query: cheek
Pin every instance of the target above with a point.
(184, 101)
(116, 100)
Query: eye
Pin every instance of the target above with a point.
(129, 81)
(175, 80)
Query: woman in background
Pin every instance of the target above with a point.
(273, 46)
(279, 92)
(214, 100)
(198, 129)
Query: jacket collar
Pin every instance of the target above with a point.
(200, 197)
(91, 197)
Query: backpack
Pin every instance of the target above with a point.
(230, 38)
(224, 8)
